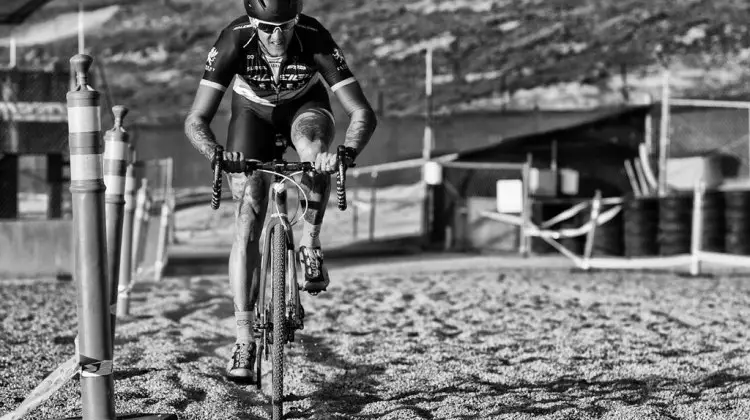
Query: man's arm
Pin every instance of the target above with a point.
(362, 118)
(198, 120)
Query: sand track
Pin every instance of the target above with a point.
(442, 339)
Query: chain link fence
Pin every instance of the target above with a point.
(717, 130)
(470, 189)
(33, 142)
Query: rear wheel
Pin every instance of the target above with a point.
(278, 267)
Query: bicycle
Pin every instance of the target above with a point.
(279, 317)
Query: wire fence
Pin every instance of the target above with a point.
(716, 129)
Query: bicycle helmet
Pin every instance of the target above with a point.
(273, 10)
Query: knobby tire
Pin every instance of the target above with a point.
(278, 250)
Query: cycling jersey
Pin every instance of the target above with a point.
(312, 56)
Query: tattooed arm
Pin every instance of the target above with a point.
(197, 123)
(362, 118)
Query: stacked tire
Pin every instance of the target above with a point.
(641, 224)
(608, 237)
(575, 243)
(675, 224)
(736, 211)
(540, 211)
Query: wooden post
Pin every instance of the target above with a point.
(590, 235)
(632, 178)
(697, 229)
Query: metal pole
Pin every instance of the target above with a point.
(13, 52)
(697, 232)
(81, 44)
(116, 156)
(427, 142)
(427, 205)
(649, 132)
(664, 134)
(87, 188)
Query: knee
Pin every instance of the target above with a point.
(312, 132)
(249, 216)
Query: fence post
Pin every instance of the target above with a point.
(524, 240)
(116, 155)
(697, 229)
(164, 222)
(664, 133)
(355, 205)
(373, 203)
(126, 259)
(140, 224)
(590, 236)
(87, 189)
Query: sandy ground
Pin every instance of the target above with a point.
(442, 337)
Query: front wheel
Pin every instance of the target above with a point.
(278, 268)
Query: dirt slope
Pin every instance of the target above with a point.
(545, 52)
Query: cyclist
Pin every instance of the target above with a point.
(280, 58)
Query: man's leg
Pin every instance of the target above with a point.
(251, 133)
(249, 193)
(312, 132)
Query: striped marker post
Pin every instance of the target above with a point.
(87, 189)
(116, 158)
(126, 268)
(135, 233)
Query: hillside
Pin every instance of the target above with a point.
(489, 53)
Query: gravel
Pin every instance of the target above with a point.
(443, 338)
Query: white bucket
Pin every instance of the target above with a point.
(509, 196)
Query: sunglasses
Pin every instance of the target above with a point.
(271, 27)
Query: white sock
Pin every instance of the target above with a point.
(310, 235)
(244, 322)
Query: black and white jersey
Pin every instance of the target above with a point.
(312, 56)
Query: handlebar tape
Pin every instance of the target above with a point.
(341, 179)
(217, 165)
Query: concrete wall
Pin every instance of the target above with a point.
(36, 248)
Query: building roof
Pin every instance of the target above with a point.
(13, 12)
(595, 123)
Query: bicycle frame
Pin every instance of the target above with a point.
(278, 215)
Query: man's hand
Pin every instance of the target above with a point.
(326, 162)
(234, 162)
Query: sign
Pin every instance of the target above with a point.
(53, 112)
